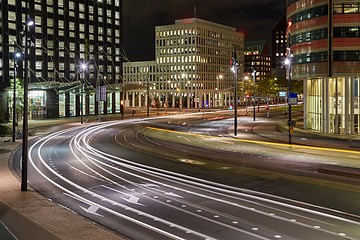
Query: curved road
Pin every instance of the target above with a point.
(146, 179)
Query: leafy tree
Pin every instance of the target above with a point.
(2, 111)
(297, 86)
(19, 105)
(4, 130)
(268, 87)
(247, 86)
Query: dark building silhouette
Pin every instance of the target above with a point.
(279, 43)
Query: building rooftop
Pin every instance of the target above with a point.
(256, 47)
(198, 20)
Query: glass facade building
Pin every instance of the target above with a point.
(325, 43)
(66, 35)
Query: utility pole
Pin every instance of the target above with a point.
(235, 71)
(288, 63)
(254, 88)
(148, 99)
(24, 162)
(16, 56)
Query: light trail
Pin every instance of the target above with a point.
(93, 194)
(265, 204)
(194, 181)
(259, 142)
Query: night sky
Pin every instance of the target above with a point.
(255, 18)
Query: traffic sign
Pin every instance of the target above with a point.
(292, 98)
(282, 94)
(291, 123)
(291, 129)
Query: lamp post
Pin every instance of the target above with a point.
(218, 99)
(288, 64)
(16, 56)
(122, 101)
(148, 99)
(83, 68)
(180, 97)
(244, 100)
(254, 78)
(24, 160)
(98, 97)
(235, 71)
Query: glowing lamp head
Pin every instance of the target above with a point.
(30, 22)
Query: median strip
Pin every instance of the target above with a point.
(260, 142)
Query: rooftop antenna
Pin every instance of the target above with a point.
(195, 10)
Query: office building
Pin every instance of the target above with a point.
(325, 44)
(140, 83)
(279, 43)
(192, 68)
(258, 58)
(279, 46)
(66, 34)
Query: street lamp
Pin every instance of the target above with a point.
(24, 161)
(288, 64)
(83, 67)
(218, 78)
(235, 71)
(245, 78)
(254, 78)
(180, 97)
(16, 56)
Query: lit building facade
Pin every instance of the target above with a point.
(258, 58)
(192, 66)
(66, 34)
(140, 83)
(279, 43)
(325, 43)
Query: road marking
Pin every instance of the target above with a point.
(152, 186)
(92, 209)
(131, 199)
(89, 192)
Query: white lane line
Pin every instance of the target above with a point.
(157, 173)
(84, 151)
(115, 213)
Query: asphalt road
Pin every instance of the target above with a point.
(186, 178)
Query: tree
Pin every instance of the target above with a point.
(19, 104)
(247, 86)
(268, 87)
(4, 117)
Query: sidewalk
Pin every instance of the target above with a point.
(31, 216)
